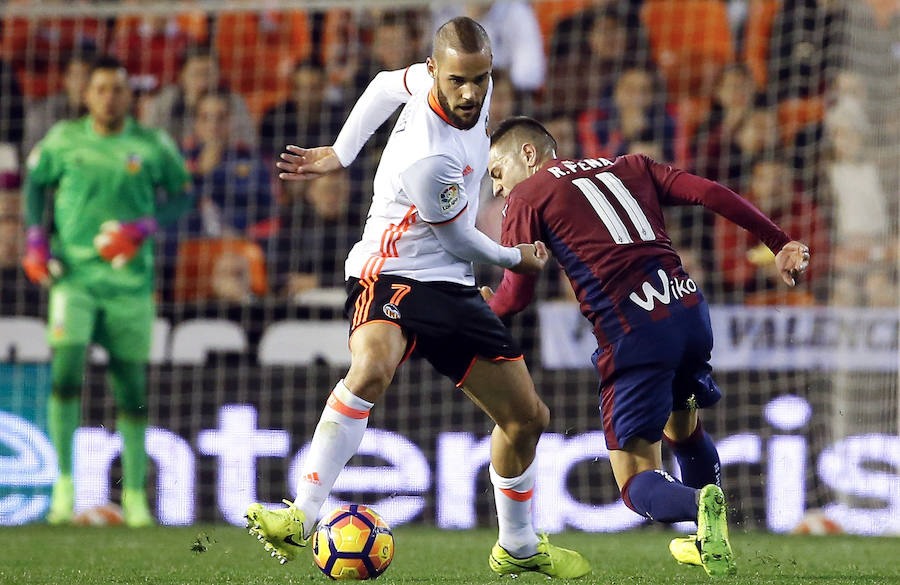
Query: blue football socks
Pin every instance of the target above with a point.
(657, 495)
(698, 459)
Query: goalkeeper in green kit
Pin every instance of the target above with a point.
(104, 171)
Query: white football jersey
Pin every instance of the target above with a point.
(430, 172)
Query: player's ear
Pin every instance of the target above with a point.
(529, 154)
(431, 66)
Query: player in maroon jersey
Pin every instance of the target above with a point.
(603, 221)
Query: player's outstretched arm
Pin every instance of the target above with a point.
(384, 94)
(680, 188)
(465, 241)
(300, 164)
(792, 261)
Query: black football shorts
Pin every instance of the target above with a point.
(448, 324)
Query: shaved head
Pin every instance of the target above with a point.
(519, 147)
(521, 129)
(461, 67)
(462, 35)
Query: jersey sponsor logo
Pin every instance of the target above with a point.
(58, 331)
(467, 171)
(449, 198)
(391, 311)
(672, 289)
(133, 163)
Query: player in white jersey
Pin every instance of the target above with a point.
(411, 287)
(425, 177)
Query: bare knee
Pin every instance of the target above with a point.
(368, 377)
(527, 428)
(376, 349)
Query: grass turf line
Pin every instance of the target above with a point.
(220, 554)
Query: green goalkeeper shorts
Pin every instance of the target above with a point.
(123, 324)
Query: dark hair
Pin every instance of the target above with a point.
(762, 101)
(529, 126)
(309, 63)
(84, 55)
(462, 33)
(404, 18)
(106, 62)
(219, 93)
(199, 50)
(649, 134)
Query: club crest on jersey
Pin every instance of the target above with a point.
(391, 311)
(449, 198)
(133, 163)
(242, 170)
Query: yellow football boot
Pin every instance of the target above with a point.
(551, 560)
(280, 531)
(716, 555)
(685, 551)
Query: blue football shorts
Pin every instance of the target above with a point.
(653, 370)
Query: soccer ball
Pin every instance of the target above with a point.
(353, 542)
(105, 515)
(818, 523)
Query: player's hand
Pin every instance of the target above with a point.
(117, 243)
(486, 292)
(300, 164)
(792, 261)
(37, 262)
(534, 256)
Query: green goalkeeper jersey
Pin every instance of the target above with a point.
(97, 178)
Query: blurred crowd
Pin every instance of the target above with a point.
(764, 96)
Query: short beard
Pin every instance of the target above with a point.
(454, 119)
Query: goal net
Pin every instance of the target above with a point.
(792, 103)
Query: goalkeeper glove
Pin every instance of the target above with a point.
(38, 264)
(118, 243)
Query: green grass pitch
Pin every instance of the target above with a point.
(219, 555)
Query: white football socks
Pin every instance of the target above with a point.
(513, 498)
(337, 438)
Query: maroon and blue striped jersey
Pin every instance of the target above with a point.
(603, 222)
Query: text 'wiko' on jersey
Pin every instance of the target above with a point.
(603, 221)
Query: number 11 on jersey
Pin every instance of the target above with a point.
(607, 213)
